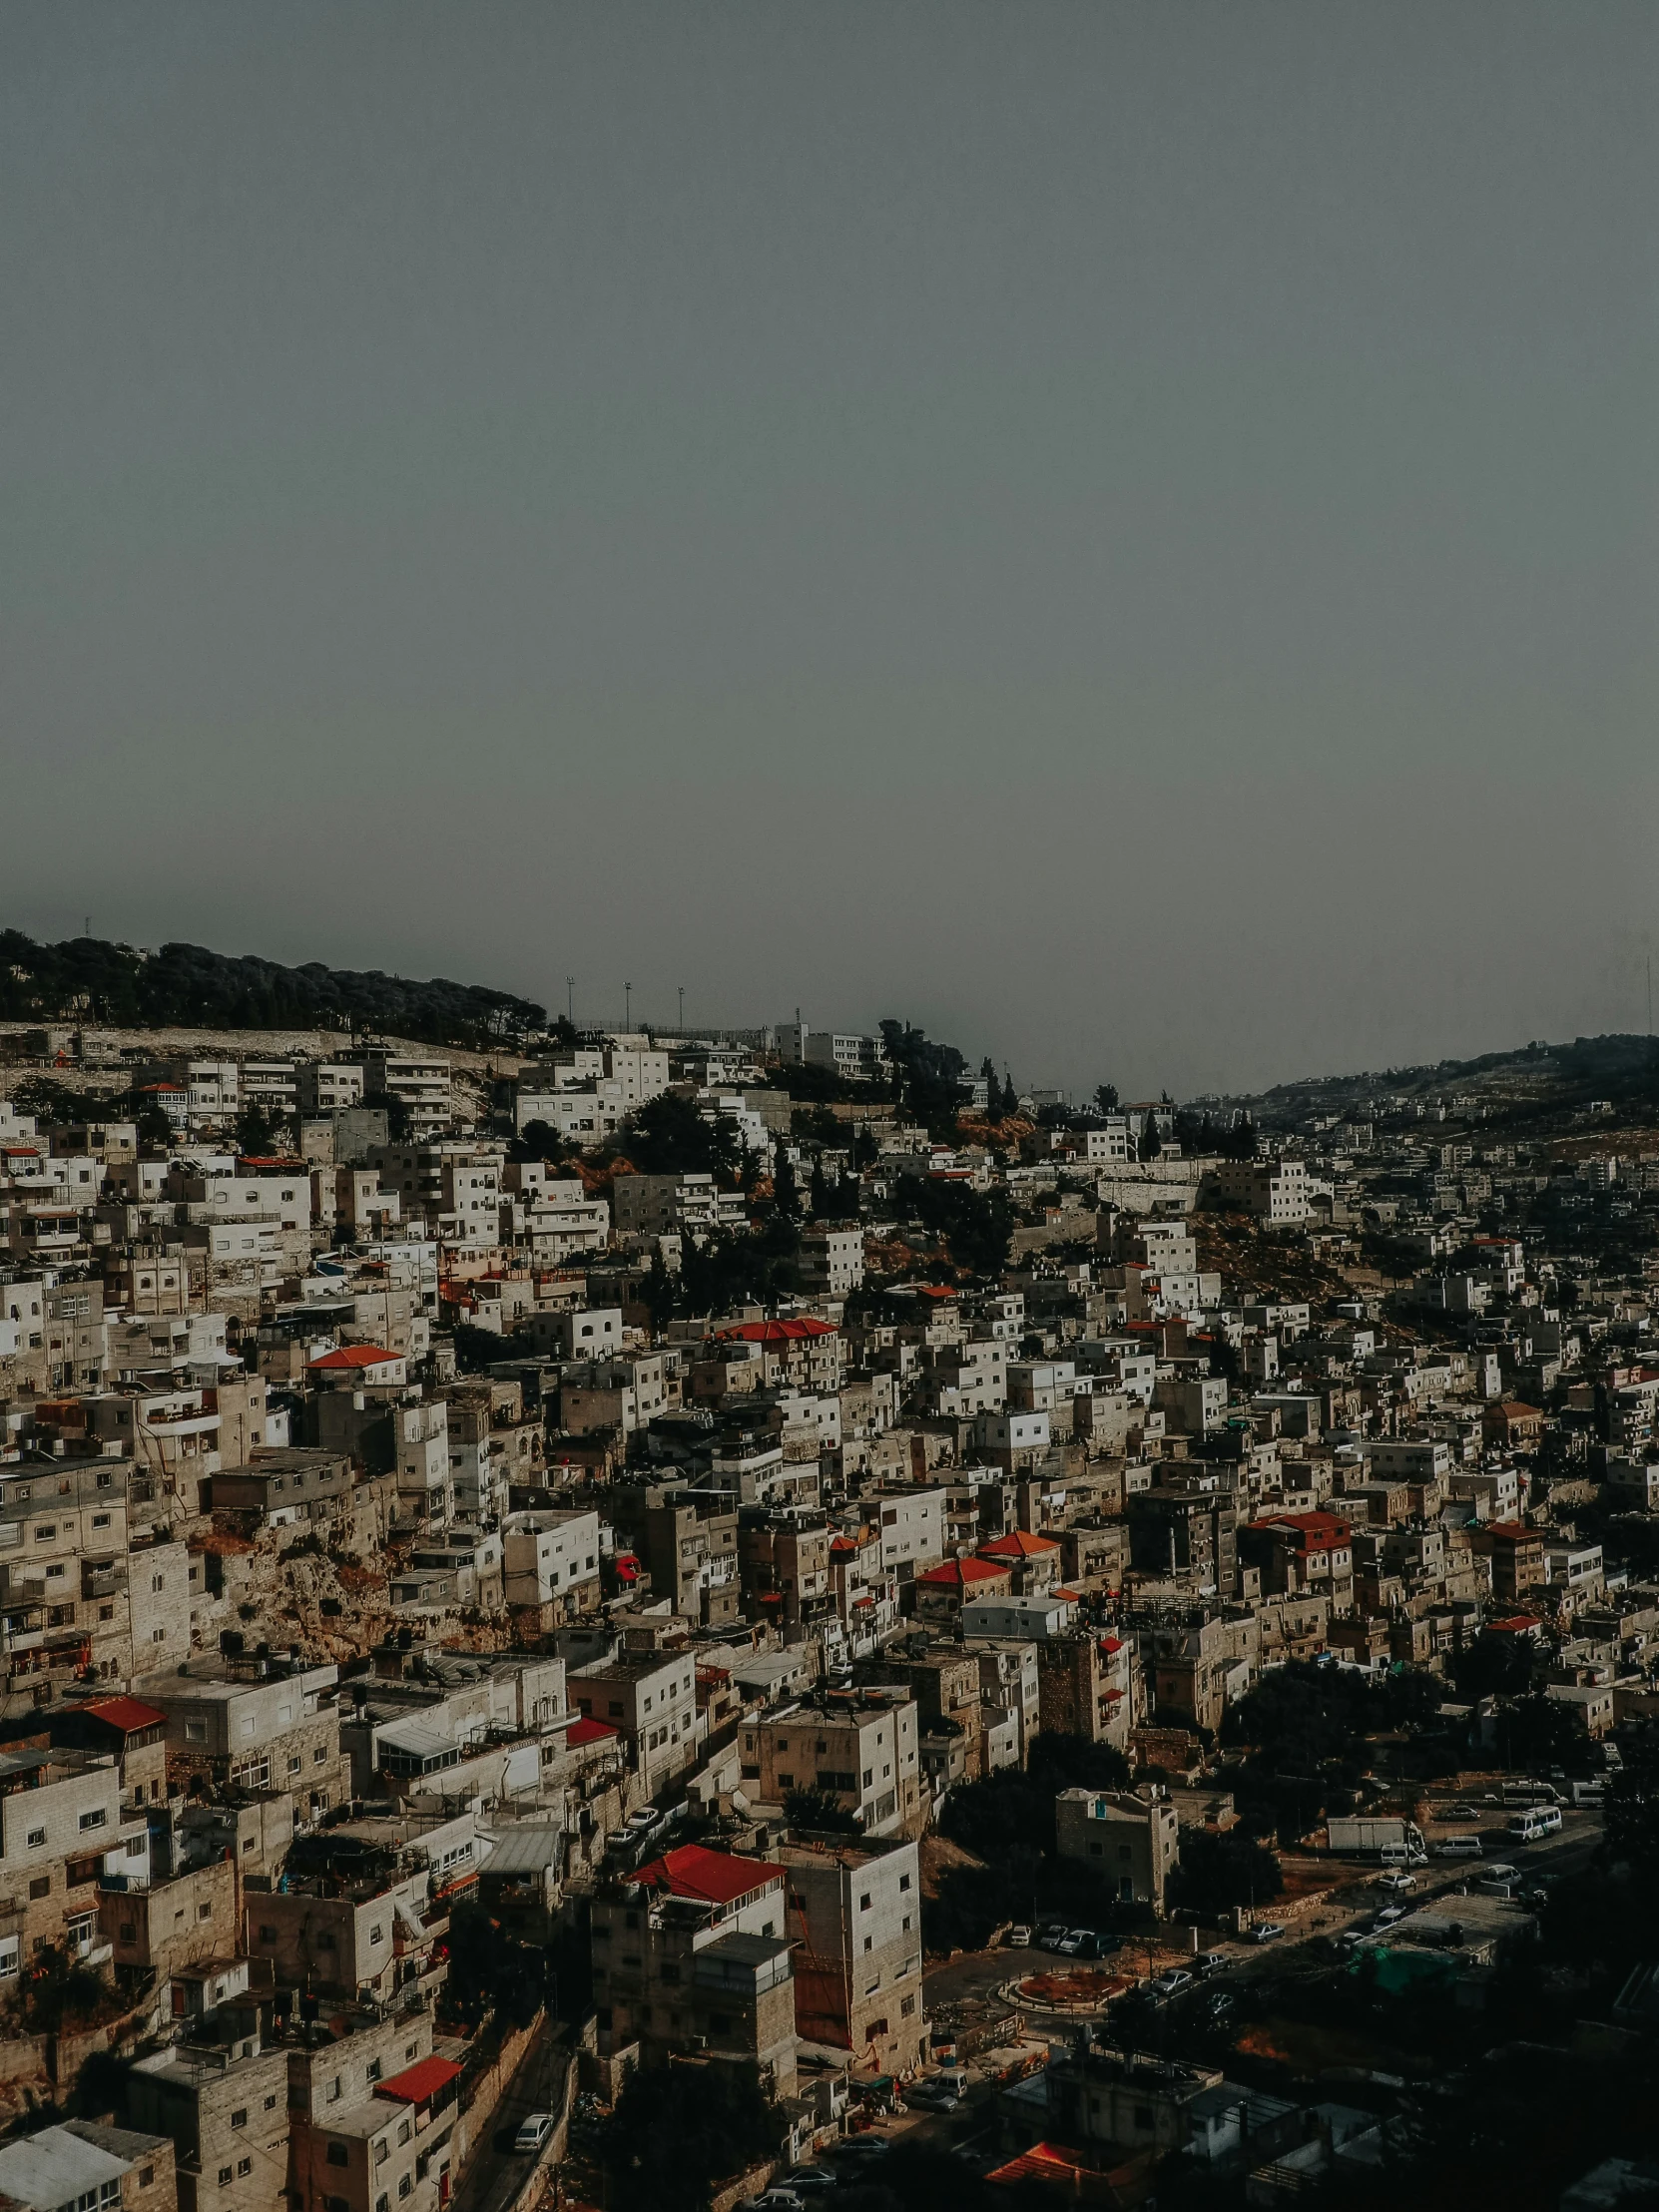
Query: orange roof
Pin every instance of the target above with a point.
(590, 1732)
(712, 1876)
(956, 1573)
(1017, 1544)
(418, 2083)
(1060, 2168)
(776, 1332)
(125, 1713)
(355, 1356)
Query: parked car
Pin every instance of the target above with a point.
(533, 2131)
(1388, 1915)
(1265, 1930)
(1461, 1813)
(1207, 1963)
(812, 2181)
(1460, 1847)
(1094, 1946)
(1067, 1946)
(1051, 1934)
(1172, 1982)
(1019, 1938)
(1218, 2006)
(1397, 1882)
(777, 2199)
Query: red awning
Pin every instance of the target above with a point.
(419, 2082)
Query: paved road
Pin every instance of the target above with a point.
(492, 2177)
(979, 1973)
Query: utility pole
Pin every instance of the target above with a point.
(628, 1009)
(1649, 1002)
(570, 1000)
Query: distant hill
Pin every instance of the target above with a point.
(87, 979)
(1536, 1078)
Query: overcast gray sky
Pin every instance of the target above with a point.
(1122, 533)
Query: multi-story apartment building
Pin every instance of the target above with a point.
(855, 1916)
(650, 1696)
(692, 1953)
(860, 1749)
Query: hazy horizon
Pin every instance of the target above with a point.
(1122, 534)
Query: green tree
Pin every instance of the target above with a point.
(1221, 1870)
(493, 1972)
(260, 1134)
(977, 1226)
(678, 2131)
(539, 1140)
(1062, 1761)
(1631, 1833)
(786, 1193)
(1106, 1097)
(818, 1811)
(1542, 1731)
(668, 1136)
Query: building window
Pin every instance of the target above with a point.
(239, 2118)
(97, 1817)
(224, 2177)
(244, 2165)
(338, 2155)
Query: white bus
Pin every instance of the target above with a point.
(1538, 1821)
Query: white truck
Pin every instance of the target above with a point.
(1396, 1842)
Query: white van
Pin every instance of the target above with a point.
(1538, 1820)
(1400, 1856)
(1460, 1847)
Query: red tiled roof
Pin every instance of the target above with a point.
(1062, 2170)
(1511, 1530)
(590, 1732)
(1017, 1544)
(418, 2083)
(777, 1331)
(1518, 1624)
(713, 1877)
(355, 1356)
(125, 1713)
(956, 1573)
(1313, 1528)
